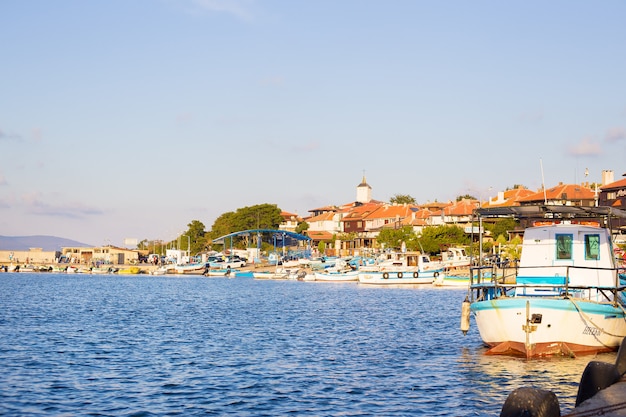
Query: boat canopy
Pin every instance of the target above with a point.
(551, 212)
(278, 234)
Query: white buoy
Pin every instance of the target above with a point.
(465, 316)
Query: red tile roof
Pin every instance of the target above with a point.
(616, 184)
(463, 207)
(511, 197)
(562, 192)
(319, 235)
(387, 211)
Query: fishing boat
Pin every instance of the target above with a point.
(452, 279)
(340, 271)
(220, 272)
(566, 294)
(100, 270)
(133, 270)
(162, 270)
(58, 269)
(277, 273)
(455, 257)
(197, 268)
(337, 276)
(401, 269)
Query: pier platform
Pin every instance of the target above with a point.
(609, 402)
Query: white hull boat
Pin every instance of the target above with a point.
(567, 296)
(410, 268)
(337, 276)
(406, 276)
(191, 269)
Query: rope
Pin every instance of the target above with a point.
(586, 318)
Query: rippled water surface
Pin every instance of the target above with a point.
(144, 345)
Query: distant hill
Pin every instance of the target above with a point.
(47, 243)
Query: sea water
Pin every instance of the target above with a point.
(145, 345)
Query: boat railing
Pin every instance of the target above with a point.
(489, 282)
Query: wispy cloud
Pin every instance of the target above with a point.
(35, 205)
(309, 146)
(4, 136)
(616, 134)
(586, 147)
(241, 9)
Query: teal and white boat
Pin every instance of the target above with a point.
(567, 294)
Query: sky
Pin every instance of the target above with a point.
(132, 118)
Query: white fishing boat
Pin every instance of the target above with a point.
(278, 273)
(337, 276)
(401, 269)
(197, 268)
(100, 270)
(452, 279)
(220, 272)
(162, 270)
(565, 297)
(454, 258)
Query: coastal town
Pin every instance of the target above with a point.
(363, 219)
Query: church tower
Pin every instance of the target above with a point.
(363, 192)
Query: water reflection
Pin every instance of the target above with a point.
(500, 375)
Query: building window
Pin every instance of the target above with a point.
(359, 224)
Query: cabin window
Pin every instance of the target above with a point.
(564, 246)
(592, 247)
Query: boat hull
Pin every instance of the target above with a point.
(535, 327)
(190, 269)
(398, 277)
(352, 276)
(445, 280)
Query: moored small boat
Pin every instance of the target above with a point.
(191, 269)
(566, 295)
(337, 276)
(401, 269)
(129, 271)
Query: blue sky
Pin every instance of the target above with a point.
(131, 118)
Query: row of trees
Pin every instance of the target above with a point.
(196, 239)
(431, 240)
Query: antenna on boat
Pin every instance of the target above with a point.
(543, 183)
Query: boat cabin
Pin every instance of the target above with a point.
(570, 257)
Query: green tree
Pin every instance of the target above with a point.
(402, 199)
(261, 216)
(501, 227)
(194, 236)
(434, 238)
(393, 238)
(321, 248)
(466, 196)
(302, 227)
(223, 224)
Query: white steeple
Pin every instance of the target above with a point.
(363, 192)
